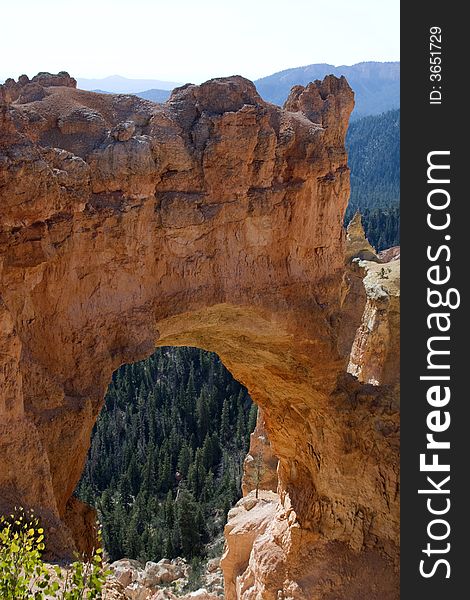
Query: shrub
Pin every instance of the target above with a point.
(24, 575)
(195, 575)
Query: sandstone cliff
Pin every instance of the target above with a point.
(214, 220)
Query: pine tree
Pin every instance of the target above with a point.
(125, 491)
(252, 418)
(225, 423)
(241, 427)
(184, 459)
(133, 475)
(190, 524)
(202, 416)
(373, 145)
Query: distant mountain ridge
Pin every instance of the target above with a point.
(375, 84)
(159, 96)
(116, 84)
(155, 95)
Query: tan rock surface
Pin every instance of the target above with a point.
(375, 355)
(216, 224)
(270, 557)
(246, 522)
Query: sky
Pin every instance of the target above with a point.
(191, 40)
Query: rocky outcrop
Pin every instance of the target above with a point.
(269, 556)
(80, 519)
(375, 355)
(165, 580)
(215, 221)
(260, 465)
(247, 522)
(357, 245)
(25, 90)
(389, 254)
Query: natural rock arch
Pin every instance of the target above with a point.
(214, 221)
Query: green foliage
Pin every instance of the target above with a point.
(83, 580)
(24, 575)
(21, 567)
(195, 575)
(166, 456)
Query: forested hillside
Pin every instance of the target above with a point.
(373, 145)
(166, 458)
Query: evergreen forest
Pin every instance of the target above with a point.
(166, 458)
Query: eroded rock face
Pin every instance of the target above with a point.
(214, 220)
(269, 556)
(264, 549)
(375, 354)
(248, 521)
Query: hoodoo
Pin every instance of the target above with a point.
(213, 220)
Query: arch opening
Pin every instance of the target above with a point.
(165, 463)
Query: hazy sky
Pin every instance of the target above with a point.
(190, 40)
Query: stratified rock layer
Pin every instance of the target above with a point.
(214, 221)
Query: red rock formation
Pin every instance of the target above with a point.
(215, 221)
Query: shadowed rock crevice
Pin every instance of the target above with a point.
(214, 220)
